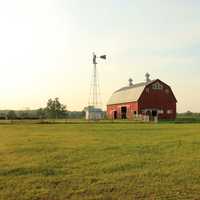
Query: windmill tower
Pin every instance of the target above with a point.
(93, 111)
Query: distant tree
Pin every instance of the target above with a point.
(11, 115)
(41, 113)
(75, 114)
(189, 113)
(23, 114)
(55, 109)
(3, 115)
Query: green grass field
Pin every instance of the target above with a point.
(99, 161)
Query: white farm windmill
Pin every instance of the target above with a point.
(93, 111)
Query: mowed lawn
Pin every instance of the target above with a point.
(99, 161)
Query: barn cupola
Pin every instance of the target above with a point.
(130, 80)
(147, 75)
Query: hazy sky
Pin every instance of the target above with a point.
(46, 48)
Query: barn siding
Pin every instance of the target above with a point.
(131, 107)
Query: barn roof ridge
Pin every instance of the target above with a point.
(141, 84)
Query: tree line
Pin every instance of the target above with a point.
(189, 114)
(54, 110)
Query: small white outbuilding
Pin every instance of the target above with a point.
(92, 113)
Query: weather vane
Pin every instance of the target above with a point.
(95, 58)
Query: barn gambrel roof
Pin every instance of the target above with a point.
(128, 94)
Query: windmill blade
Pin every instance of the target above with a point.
(103, 57)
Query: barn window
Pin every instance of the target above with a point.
(161, 111)
(157, 86)
(169, 111)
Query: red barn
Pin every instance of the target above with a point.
(153, 98)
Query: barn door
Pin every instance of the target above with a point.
(123, 112)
